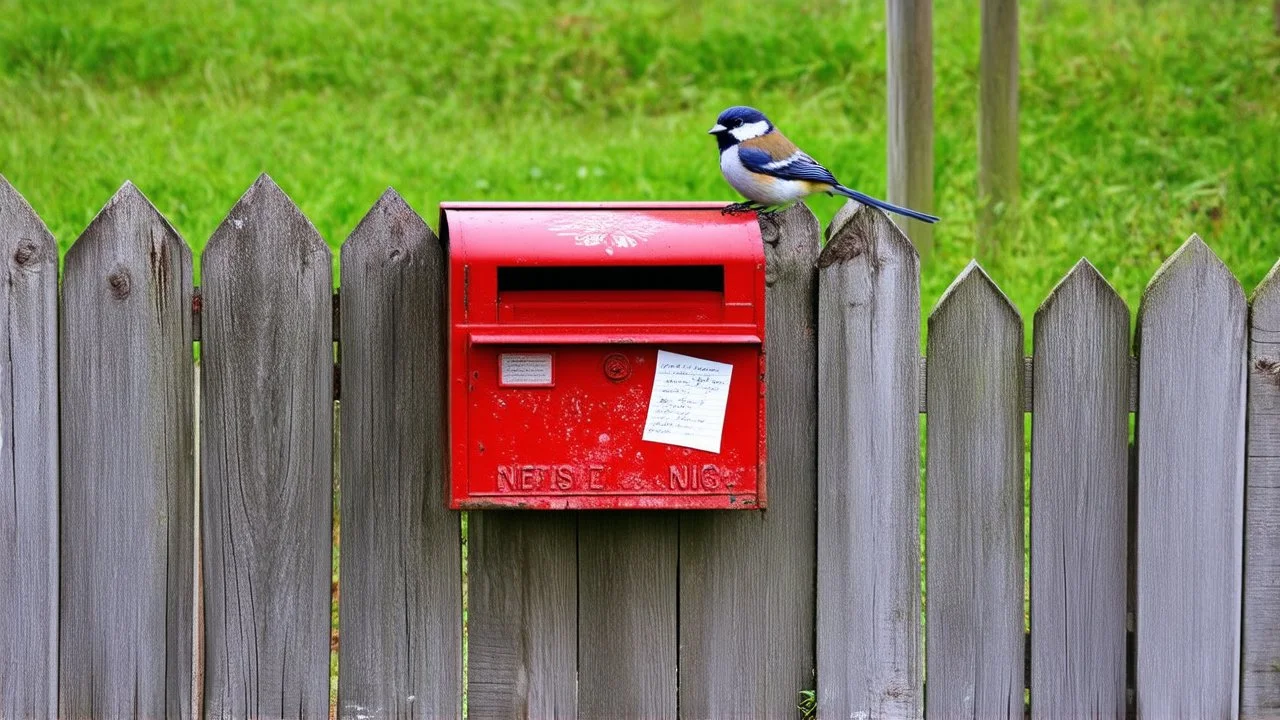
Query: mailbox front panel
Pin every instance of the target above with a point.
(566, 430)
(605, 357)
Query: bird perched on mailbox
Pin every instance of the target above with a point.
(771, 172)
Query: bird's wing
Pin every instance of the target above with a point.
(798, 166)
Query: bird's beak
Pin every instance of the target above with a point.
(717, 128)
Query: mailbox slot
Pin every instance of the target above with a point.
(572, 332)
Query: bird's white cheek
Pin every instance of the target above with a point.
(750, 130)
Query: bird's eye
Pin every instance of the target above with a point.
(737, 123)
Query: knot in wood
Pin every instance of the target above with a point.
(26, 252)
(1268, 365)
(394, 254)
(120, 284)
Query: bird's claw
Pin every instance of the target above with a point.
(738, 208)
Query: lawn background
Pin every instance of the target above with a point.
(1141, 122)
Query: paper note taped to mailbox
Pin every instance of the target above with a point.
(687, 406)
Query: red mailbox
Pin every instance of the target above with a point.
(605, 355)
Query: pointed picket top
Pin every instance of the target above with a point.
(25, 241)
(129, 217)
(1264, 306)
(973, 286)
(1081, 291)
(791, 243)
(857, 229)
(393, 225)
(266, 217)
(1188, 270)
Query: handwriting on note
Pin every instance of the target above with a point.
(687, 406)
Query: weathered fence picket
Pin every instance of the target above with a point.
(522, 614)
(28, 461)
(267, 416)
(747, 579)
(627, 614)
(974, 502)
(401, 603)
(624, 614)
(1079, 499)
(1190, 431)
(1260, 660)
(870, 660)
(127, 467)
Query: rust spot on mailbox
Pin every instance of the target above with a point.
(557, 316)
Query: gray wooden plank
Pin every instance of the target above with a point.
(973, 501)
(1260, 656)
(868, 620)
(909, 45)
(1079, 499)
(1190, 429)
(28, 461)
(401, 609)
(997, 121)
(266, 424)
(747, 578)
(627, 614)
(127, 469)
(522, 614)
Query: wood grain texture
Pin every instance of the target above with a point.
(266, 423)
(627, 614)
(127, 468)
(909, 44)
(1079, 499)
(1260, 657)
(1191, 333)
(747, 578)
(868, 622)
(997, 121)
(401, 609)
(974, 484)
(401, 562)
(28, 461)
(522, 614)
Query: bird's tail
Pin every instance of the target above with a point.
(887, 207)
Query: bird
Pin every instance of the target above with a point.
(772, 173)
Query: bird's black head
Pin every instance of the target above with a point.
(739, 123)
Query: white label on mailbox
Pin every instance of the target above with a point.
(688, 403)
(525, 369)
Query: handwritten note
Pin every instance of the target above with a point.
(687, 406)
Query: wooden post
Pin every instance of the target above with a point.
(870, 661)
(28, 461)
(909, 29)
(1079, 499)
(401, 608)
(974, 640)
(997, 123)
(747, 578)
(127, 468)
(1260, 674)
(627, 614)
(267, 459)
(1190, 506)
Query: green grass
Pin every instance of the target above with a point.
(1140, 122)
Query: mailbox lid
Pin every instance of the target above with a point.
(488, 242)
(515, 234)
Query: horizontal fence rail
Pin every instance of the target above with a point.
(1148, 502)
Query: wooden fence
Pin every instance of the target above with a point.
(1153, 565)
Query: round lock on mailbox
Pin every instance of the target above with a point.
(617, 367)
